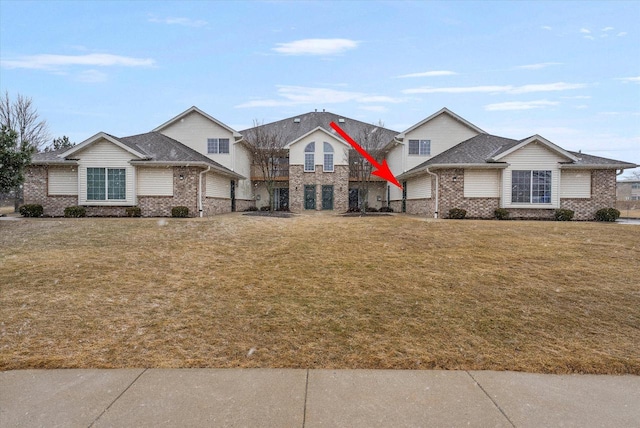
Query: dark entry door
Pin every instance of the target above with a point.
(327, 197)
(309, 197)
(282, 199)
(353, 199)
(233, 196)
(404, 196)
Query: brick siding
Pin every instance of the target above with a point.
(339, 179)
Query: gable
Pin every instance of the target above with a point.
(194, 129)
(534, 155)
(105, 153)
(319, 136)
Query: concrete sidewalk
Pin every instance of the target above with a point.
(314, 398)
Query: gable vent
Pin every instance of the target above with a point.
(296, 120)
(341, 120)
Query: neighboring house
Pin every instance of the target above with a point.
(443, 162)
(628, 190)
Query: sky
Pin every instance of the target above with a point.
(568, 71)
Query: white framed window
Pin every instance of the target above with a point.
(217, 145)
(531, 187)
(106, 184)
(328, 157)
(420, 147)
(309, 157)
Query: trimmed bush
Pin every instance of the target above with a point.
(133, 212)
(563, 214)
(75, 212)
(457, 213)
(251, 208)
(31, 210)
(265, 208)
(607, 214)
(501, 214)
(371, 210)
(386, 210)
(180, 212)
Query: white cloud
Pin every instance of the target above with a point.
(296, 95)
(316, 47)
(537, 66)
(428, 74)
(578, 97)
(622, 33)
(585, 31)
(187, 22)
(630, 79)
(509, 89)
(55, 62)
(374, 108)
(546, 27)
(457, 89)
(605, 29)
(546, 87)
(520, 105)
(589, 37)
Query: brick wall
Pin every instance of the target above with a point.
(603, 195)
(243, 204)
(213, 206)
(339, 179)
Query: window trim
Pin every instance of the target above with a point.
(310, 157)
(540, 192)
(108, 190)
(213, 146)
(423, 146)
(328, 152)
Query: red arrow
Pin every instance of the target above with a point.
(381, 171)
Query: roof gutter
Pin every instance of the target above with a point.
(435, 213)
(200, 189)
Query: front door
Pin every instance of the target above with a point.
(309, 197)
(327, 197)
(404, 196)
(281, 196)
(233, 196)
(353, 199)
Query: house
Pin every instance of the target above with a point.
(443, 162)
(628, 190)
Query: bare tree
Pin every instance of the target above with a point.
(32, 133)
(269, 156)
(371, 138)
(22, 116)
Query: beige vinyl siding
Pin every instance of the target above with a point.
(63, 181)
(104, 154)
(443, 131)
(218, 186)
(243, 167)
(575, 184)
(532, 157)
(155, 181)
(193, 130)
(394, 160)
(419, 188)
(479, 183)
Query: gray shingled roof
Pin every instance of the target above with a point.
(291, 130)
(156, 146)
(480, 149)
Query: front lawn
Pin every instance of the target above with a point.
(320, 292)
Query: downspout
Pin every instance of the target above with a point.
(619, 172)
(200, 189)
(435, 214)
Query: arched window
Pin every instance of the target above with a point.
(309, 157)
(328, 157)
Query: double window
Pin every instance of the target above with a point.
(106, 184)
(420, 147)
(328, 157)
(531, 187)
(217, 145)
(309, 157)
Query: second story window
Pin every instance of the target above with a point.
(309, 157)
(217, 145)
(328, 157)
(420, 147)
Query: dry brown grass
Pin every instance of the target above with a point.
(320, 292)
